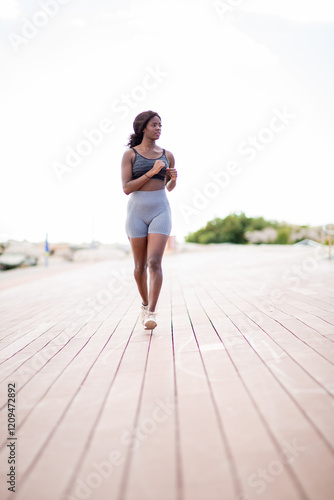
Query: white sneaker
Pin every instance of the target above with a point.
(143, 312)
(150, 322)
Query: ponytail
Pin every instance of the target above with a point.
(135, 139)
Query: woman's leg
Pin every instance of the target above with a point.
(139, 251)
(156, 244)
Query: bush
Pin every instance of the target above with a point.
(283, 235)
(232, 229)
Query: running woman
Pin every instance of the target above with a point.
(147, 170)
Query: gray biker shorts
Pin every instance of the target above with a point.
(148, 212)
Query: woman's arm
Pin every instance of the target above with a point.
(171, 176)
(130, 185)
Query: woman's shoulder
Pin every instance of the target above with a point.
(128, 157)
(129, 153)
(169, 155)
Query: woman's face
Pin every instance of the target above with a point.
(153, 128)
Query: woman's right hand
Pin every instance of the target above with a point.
(158, 165)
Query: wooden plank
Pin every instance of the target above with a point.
(207, 468)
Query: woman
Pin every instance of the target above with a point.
(146, 170)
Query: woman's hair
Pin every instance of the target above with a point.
(139, 125)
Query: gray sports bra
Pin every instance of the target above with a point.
(141, 165)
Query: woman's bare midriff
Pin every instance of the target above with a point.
(153, 185)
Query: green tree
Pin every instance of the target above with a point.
(232, 229)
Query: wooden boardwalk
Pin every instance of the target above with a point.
(230, 398)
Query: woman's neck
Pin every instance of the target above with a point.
(147, 144)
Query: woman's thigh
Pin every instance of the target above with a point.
(139, 250)
(156, 244)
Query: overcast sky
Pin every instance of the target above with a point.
(244, 90)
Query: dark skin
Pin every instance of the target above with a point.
(148, 251)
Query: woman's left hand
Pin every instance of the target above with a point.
(172, 173)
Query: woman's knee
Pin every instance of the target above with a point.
(154, 263)
(140, 268)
